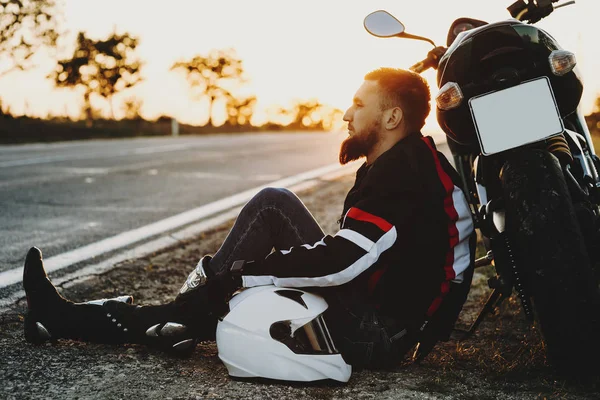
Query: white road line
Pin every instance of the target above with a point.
(14, 148)
(70, 172)
(116, 242)
(139, 151)
(86, 156)
(139, 251)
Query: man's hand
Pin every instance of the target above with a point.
(227, 284)
(224, 284)
(435, 55)
(211, 296)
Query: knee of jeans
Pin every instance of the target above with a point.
(274, 195)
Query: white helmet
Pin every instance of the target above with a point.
(279, 333)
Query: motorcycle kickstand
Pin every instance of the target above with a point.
(493, 301)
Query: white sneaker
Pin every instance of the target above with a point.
(197, 277)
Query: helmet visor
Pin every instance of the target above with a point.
(311, 338)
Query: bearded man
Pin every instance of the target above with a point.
(395, 274)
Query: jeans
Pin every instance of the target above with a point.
(273, 218)
(277, 219)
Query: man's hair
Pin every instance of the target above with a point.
(404, 89)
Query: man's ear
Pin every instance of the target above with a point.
(393, 118)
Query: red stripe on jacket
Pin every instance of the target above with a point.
(361, 215)
(374, 279)
(452, 229)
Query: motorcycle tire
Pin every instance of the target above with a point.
(550, 252)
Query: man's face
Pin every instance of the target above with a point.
(364, 123)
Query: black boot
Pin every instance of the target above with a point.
(175, 326)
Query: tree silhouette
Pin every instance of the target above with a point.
(240, 111)
(311, 114)
(102, 67)
(132, 107)
(215, 76)
(25, 26)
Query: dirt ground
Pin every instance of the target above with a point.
(503, 360)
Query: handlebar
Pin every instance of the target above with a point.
(431, 61)
(419, 67)
(531, 11)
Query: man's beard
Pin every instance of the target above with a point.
(359, 145)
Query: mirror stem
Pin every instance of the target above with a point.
(409, 36)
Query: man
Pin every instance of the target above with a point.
(392, 274)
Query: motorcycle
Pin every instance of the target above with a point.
(509, 105)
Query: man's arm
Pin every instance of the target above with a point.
(365, 234)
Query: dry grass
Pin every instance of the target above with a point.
(506, 349)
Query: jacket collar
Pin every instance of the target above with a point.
(396, 149)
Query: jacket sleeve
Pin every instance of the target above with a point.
(366, 233)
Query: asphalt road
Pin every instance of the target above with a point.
(65, 195)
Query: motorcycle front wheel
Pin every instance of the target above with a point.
(550, 253)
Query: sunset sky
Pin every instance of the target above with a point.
(290, 49)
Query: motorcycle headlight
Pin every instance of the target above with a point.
(450, 96)
(562, 62)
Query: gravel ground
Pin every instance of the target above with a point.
(503, 360)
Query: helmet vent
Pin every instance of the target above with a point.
(294, 295)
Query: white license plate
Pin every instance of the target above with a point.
(516, 116)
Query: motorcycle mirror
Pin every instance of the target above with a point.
(383, 24)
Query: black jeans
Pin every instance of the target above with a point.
(277, 219)
(273, 219)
